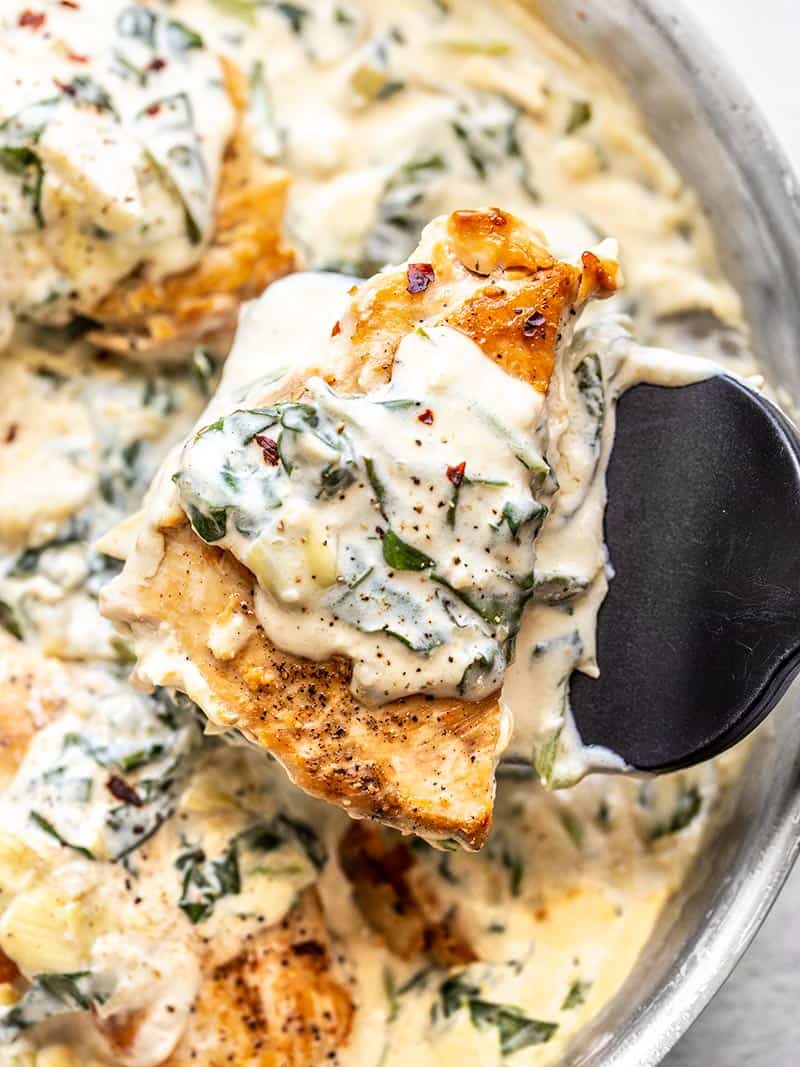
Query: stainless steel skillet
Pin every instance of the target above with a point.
(706, 122)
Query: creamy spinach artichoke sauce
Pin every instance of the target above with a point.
(112, 127)
(359, 510)
(167, 896)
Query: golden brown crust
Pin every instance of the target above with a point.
(522, 280)
(396, 901)
(421, 764)
(280, 1003)
(142, 317)
(304, 712)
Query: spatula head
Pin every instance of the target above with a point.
(700, 633)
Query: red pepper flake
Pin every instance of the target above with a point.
(68, 90)
(157, 64)
(269, 448)
(153, 109)
(456, 474)
(76, 57)
(420, 276)
(33, 20)
(11, 433)
(426, 416)
(532, 326)
(71, 4)
(337, 328)
(120, 789)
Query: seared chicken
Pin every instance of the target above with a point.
(143, 317)
(421, 764)
(280, 1003)
(282, 999)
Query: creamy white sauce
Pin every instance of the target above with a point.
(113, 122)
(394, 528)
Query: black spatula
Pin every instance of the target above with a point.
(700, 633)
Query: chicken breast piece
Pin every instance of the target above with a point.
(145, 318)
(282, 1002)
(397, 901)
(283, 999)
(420, 764)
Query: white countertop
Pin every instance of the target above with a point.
(755, 1020)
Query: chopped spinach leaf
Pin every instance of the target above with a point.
(294, 14)
(402, 556)
(335, 479)
(516, 515)
(589, 377)
(159, 394)
(181, 38)
(25, 164)
(576, 995)
(580, 113)
(515, 1030)
(47, 827)
(87, 91)
(377, 485)
(390, 989)
(11, 620)
(211, 525)
(687, 808)
(203, 368)
(49, 995)
(557, 588)
(207, 881)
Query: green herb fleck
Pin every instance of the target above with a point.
(515, 1030)
(580, 113)
(48, 828)
(207, 881)
(573, 827)
(686, 810)
(210, 525)
(25, 164)
(11, 620)
(576, 995)
(402, 556)
(294, 14)
(589, 377)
